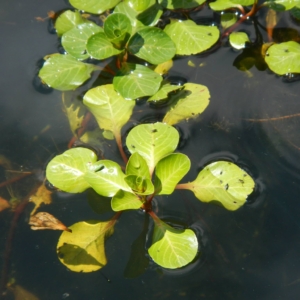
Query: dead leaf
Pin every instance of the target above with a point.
(4, 204)
(44, 220)
(21, 294)
(42, 195)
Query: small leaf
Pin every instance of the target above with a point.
(107, 178)
(117, 28)
(74, 41)
(164, 68)
(228, 19)
(123, 200)
(282, 5)
(238, 40)
(152, 142)
(224, 182)
(164, 92)
(225, 4)
(41, 196)
(64, 72)
(110, 109)
(172, 248)
(140, 185)
(152, 45)
(177, 4)
(284, 58)
(135, 81)
(191, 38)
(169, 171)
(44, 220)
(99, 46)
(137, 166)
(83, 249)
(138, 5)
(94, 6)
(151, 15)
(68, 20)
(66, 171)
(187, 103)
(127, 10)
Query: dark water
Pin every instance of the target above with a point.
(252, 253)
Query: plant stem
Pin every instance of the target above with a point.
(183, 186)
(119, 143)
(9, 181)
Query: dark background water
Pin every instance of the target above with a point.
(252, 253)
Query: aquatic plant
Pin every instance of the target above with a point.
(136, 42)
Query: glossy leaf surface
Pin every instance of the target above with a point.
(107, 178)
(64, 72)
(83, 249)
(110, 109)
(172, 248)
(94, 6)
(68, 20)
(98, 46)
(152, 142)
(74, 41)
(164, 92)
(224, 182)
(137, 166)
(140, 185)
(228, 19)
(238, 40)
(187, 103)
(176, 4)
(225, 4)
(138, 5)
(284, 58)
(169, 171)
(152, 44)
(123, 200)
(117, 28)
(191, 38)
(66, 171)
(135, 81)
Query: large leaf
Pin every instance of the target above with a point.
(110, 109)
(169, 171)
(66, 171)
(152, 142)
(187, 103)
(74, 41)
(172, 248)
(68, 20)
(98, 46)
(176, 4)
(94, 6)
(135, 81)
(284, 58)
(106, 178)
(83, 249)
(117, 28)
(64, 72)
(224, 182)
(191, 38)
(152, 45)
(123, 200)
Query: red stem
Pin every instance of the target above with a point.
(183, 186)
(9, 181)
(119, 143)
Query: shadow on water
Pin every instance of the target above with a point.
(252, 253)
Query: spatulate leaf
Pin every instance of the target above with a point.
(123, 200)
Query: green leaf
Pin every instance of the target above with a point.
(98, 46)
(66, 171)
(110, 109)
(140, 185)
(125, 200)
(225, 4)
(187, 103)
(169, 171)
(68, 20)
(284, 58)
(83, 249)
(176, 4)
(228, 19)
(138, 5)
(191, 38)
(125, 9)
(152, 45)
(224, 182)
(107, 179)
(94, 6)
(151, 15)
(64, 72)
(282, 5)
(117, 28)
(137, 166)
(238, 40)
(164, 92)
(152, 142)
(135, 81)
(172, 248)
(74, 41)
